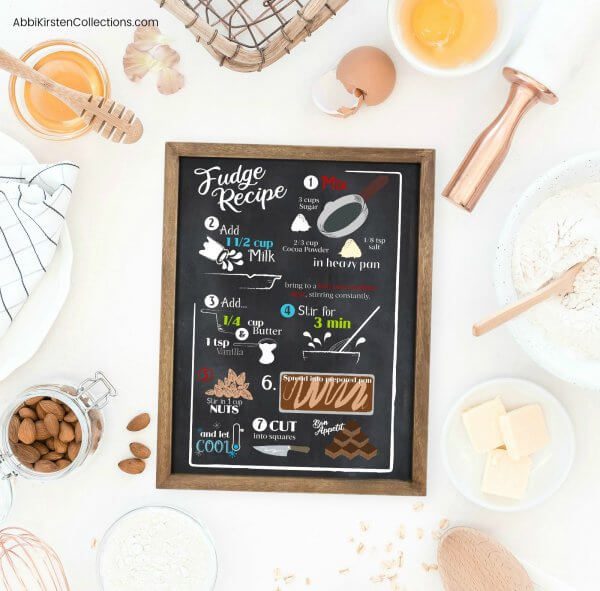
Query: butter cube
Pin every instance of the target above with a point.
(483, 426)
(504, 476)
(524, 431)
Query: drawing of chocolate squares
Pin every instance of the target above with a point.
(351, 443)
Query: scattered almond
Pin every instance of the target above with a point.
(139, 422)
(27, 431)
(132, 466)
(139, 450)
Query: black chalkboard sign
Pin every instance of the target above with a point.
(295, 326)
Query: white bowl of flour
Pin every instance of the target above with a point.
(555, 225)
(157, 549)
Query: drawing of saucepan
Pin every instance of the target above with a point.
(259, 281)
(218, 316)
(267, 349)
(345, 215)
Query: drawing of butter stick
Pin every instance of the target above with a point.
(281, 450)
(267, 349)
(226, 258)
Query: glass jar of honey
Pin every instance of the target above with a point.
(66, 62)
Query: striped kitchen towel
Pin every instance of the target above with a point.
(33, 203)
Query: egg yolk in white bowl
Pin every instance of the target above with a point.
(448, 33)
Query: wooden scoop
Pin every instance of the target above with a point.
(112, 120)
(556, 287)
(468, 560)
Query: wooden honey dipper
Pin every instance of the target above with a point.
(108, 118)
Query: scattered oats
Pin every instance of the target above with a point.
(360, 548)
(436, 534)
(289, 579)
(389, 547)
(444, 524)
(391, 577)
(307, 581)
(420, 533)
(364, 526)
(351, 540)
(277, 574)
(94, 542)
(377, 578)
(401, 532)
(388, 564)
(429, 567)
(344, 571)
(418, 506)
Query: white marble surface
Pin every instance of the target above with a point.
(111, 318)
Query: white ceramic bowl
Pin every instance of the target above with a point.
(551, 465)
(507, 16)
(558, 360)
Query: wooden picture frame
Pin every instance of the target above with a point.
(165, 477)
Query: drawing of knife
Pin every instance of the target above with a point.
(281, 450)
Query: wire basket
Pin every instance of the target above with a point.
(248, 35)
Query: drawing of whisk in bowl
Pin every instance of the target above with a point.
(338, 350)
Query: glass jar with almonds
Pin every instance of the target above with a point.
(50, 430)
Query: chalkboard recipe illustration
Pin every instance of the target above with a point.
(295, 323)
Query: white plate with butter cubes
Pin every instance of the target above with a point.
(508, 444)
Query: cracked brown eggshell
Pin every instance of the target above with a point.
(370, 71)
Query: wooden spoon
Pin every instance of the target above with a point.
(558, 286)
(105, 116)
(468, 560)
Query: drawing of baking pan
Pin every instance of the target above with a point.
(245, 281)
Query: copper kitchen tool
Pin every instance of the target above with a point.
(556, 43)
(26, 562)
(490, 149)
(468, 560)
(112, 120)
(563, 284)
